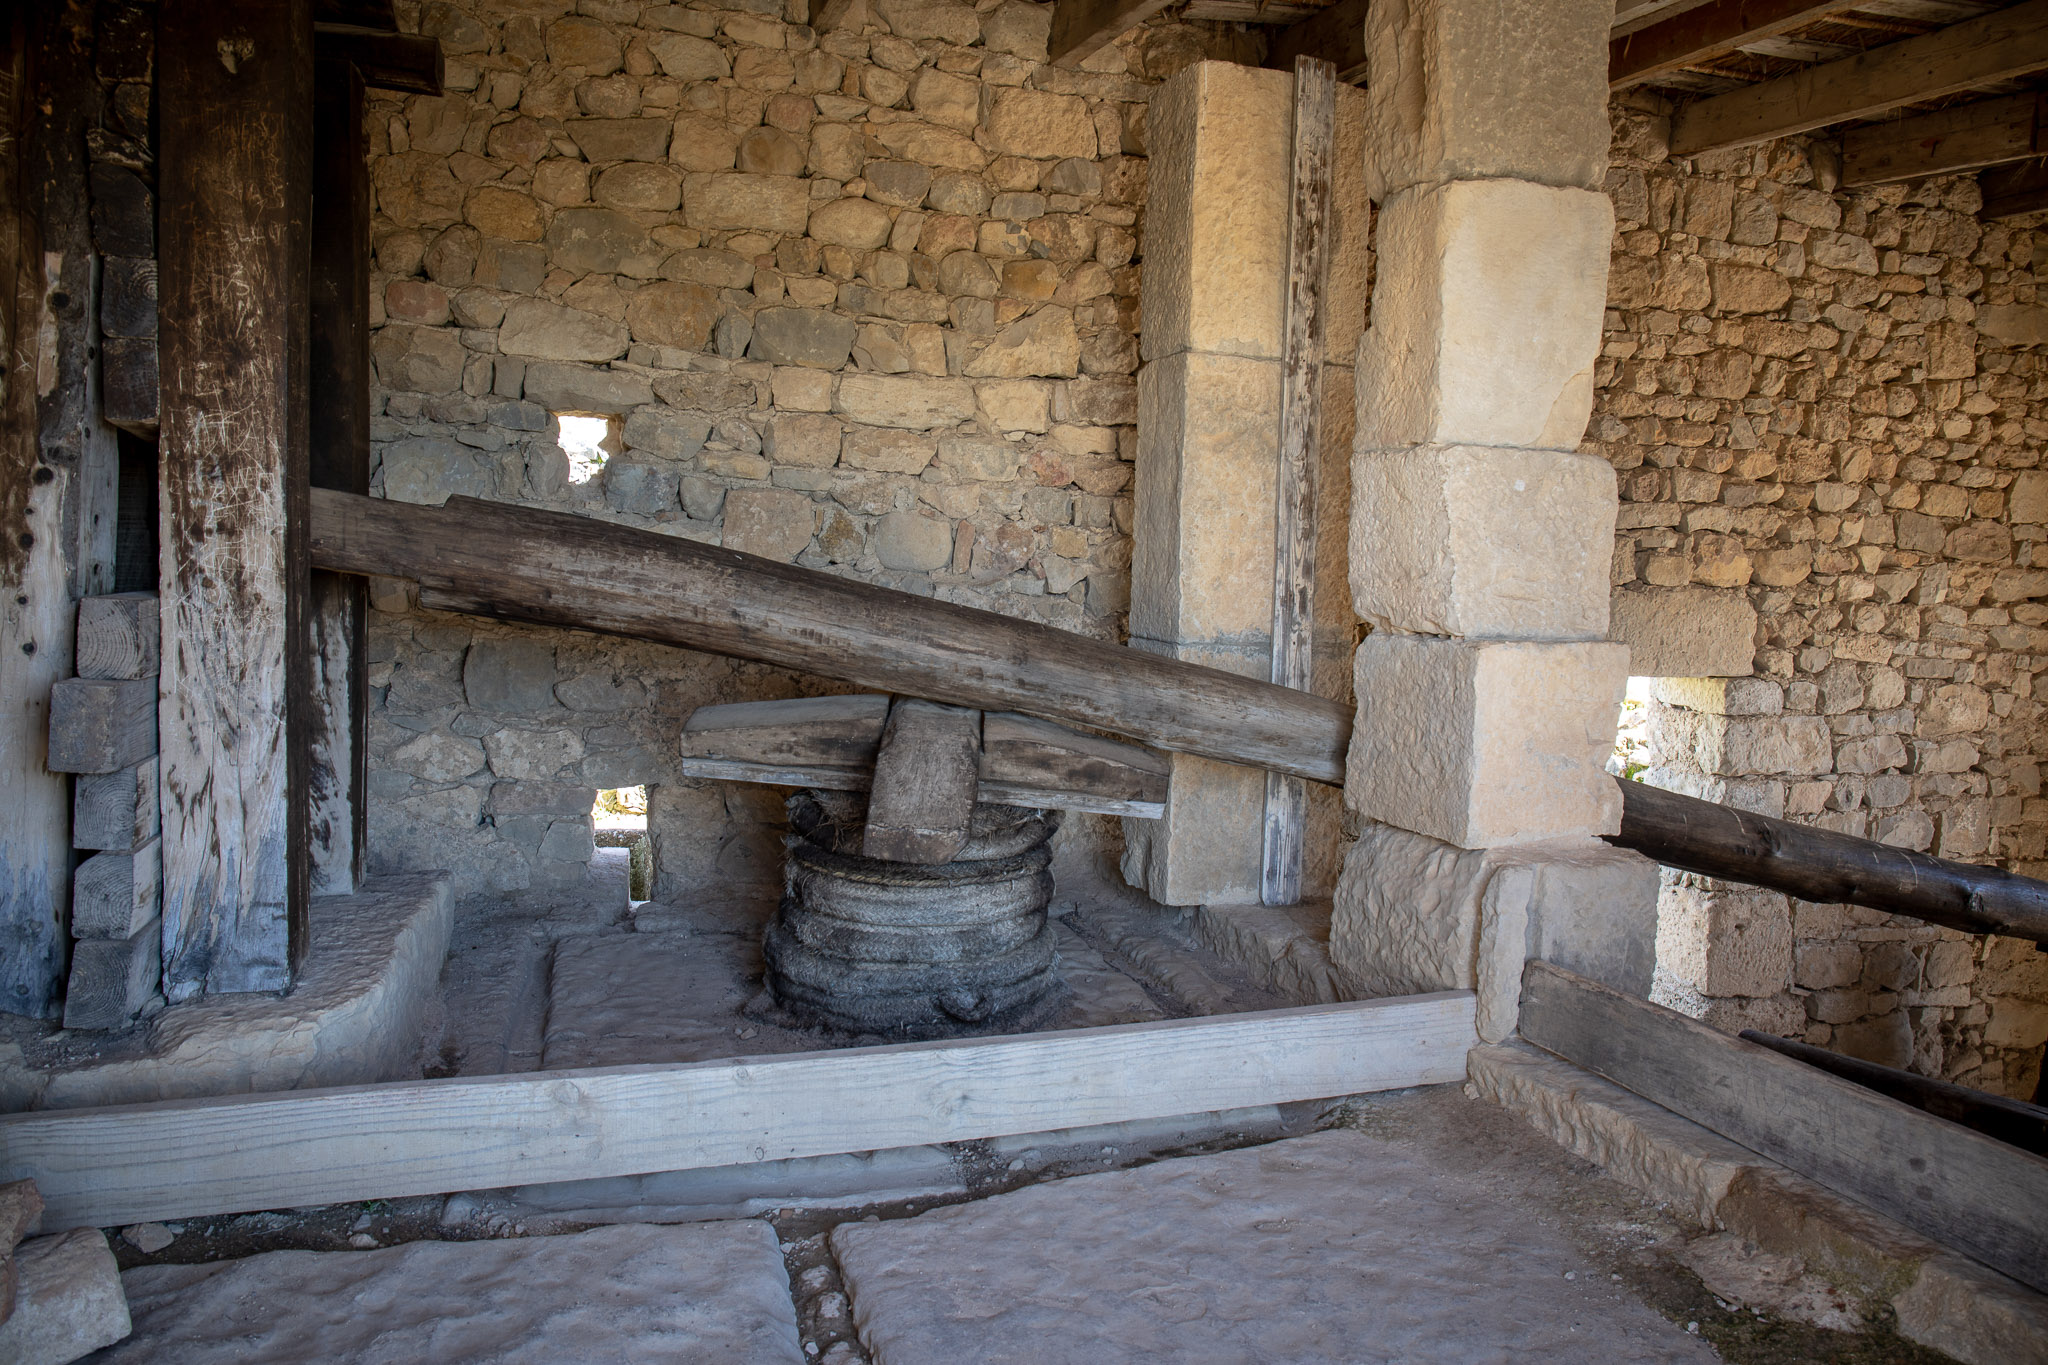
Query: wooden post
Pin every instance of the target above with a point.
(235, 101)
(1301, 422)
(338, 780)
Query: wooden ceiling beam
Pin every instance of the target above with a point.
(1977, 52)
(1965, 138)
(387, 61)
(1708, 31)
(2010, 191)
(1337, 35)
(1081, 28)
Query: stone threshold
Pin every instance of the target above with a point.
(1790, 1227)
(357, 1015)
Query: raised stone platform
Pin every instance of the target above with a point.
(358, 1014)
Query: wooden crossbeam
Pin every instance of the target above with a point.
(1709, 30)
(1965, 138)
(1982, 51)
(188, 1158)
(2010, 191)
(386, 61)
(1938, 1178)
(1337, 35)
(1081, 28)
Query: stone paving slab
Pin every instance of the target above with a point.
(1331, 1247)
(704, 1293)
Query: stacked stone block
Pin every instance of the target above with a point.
(1487, 691)
(1825, 410)
(1209, 399)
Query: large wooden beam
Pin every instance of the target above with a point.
(386, 61)
(1708, 30)
(1337, 35)
(1081, 28)
(2012, 191)
(1982, 51)
(1965, 138)
(1959, 1187)
(187, 1158)
(235, 111)
(556, 568)
(1821, 865)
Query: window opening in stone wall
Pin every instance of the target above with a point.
(618, 819)
(1631, 757)
(588, 441)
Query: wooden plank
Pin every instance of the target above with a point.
(1996, 47)
(1938, 1178)
(1965, 138)
(129, 388)
(1301, 435)
(115, 810)
(555, 568)
(235, 109)
(1337, 35)
(843, 732)
(1023, 752)
(1821, 865)
(114, 894)
(926, 773)
(117, 635)
(1709, 30)
(128, 296)
(860, 779)
(1081, 28)
(384, 61)
(337, 725)
(2012, 191)
(188, 1158)
(101, 725)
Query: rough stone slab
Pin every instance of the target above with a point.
(1685, 632)
(1482, 542)
(1485, 743)
(1487, 307)
(1460, 89)
(1328, 1247)
(1286, 948)
(1976, 1315)
(356, 1015)
(699, 1292)
(68, 1302)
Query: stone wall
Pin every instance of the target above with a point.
(1822, 407)
(863, 298)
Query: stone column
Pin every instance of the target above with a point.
(1215, 288)
(1480, 540)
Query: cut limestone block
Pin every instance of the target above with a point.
(115, 810)
(1206, 847)
(68, 1302)
(1462, 89)
(117, 636)
(1726, 940)
(115, 894)
(1685, 632)
(1220, 138)
(1415, 914)
(1487, 306)
(112, 979)
(1480, 542)
(699, 1292)
(1747, 746)
(100, 725)
(1482, 743)
(1329, 1247)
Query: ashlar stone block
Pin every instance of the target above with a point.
(1724, 941)
(1483, 543)
(1464, 89)
(1685, 632)
(1486, 743)
(1486, 316)
(1206, 849)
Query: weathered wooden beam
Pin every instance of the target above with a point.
(926, 773)
(2011, 191)
(555, 568)
(115, 810)
(1965, 138)
(1981, 51)
(118, 635)
(385, 61)
(1080, 28)
(1336, 35)
(2014, 1122)
(187, 1158)
(235, 117)
(1037, 763)
(339, 457)
(369, 14)
(1301, 436)
(1938, 1178)
(1705, 31)
(1821, 865)
(101, 725)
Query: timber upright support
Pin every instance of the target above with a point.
(235, 186)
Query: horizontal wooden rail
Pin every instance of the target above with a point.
(1821, 865)
(187, 1158)
(559, 569)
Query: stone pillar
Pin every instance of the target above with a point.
(1480, 540)
(1215, 287)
